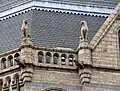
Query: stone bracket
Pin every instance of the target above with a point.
(27, 73)
(85, 75)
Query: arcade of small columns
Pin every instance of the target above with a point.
(9, 81)
(65, 59)
(59, 59)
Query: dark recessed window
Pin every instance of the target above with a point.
(55, 58)
(10, 61)
(7, 83)
(63, 59)
(3, 63)
(48, 57)
(71, 57)
(16, 58)
(40, 57)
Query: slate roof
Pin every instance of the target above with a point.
(47, 28)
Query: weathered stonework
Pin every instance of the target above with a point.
(93, 66)
(106, 54)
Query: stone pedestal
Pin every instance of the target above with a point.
(27, 57)
(84, 58)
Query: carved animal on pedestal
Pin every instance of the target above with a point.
(84, 30)
(24, 29)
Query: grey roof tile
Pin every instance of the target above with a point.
(48, 29)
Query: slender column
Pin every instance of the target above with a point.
(74, 60)
(14, 62)
(59, 60)
(4, 83)
(7, 63)
(10, 86)
(44, 58)
(17, 84)
(1, 84)
(51, 60)
(67, 60)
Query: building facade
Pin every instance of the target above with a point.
(59, 45)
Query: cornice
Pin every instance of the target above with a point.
(57, 7)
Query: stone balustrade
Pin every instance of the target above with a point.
(45, 58)
(9, 61)
(10, 82)
(55, 58)
(42, 58)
